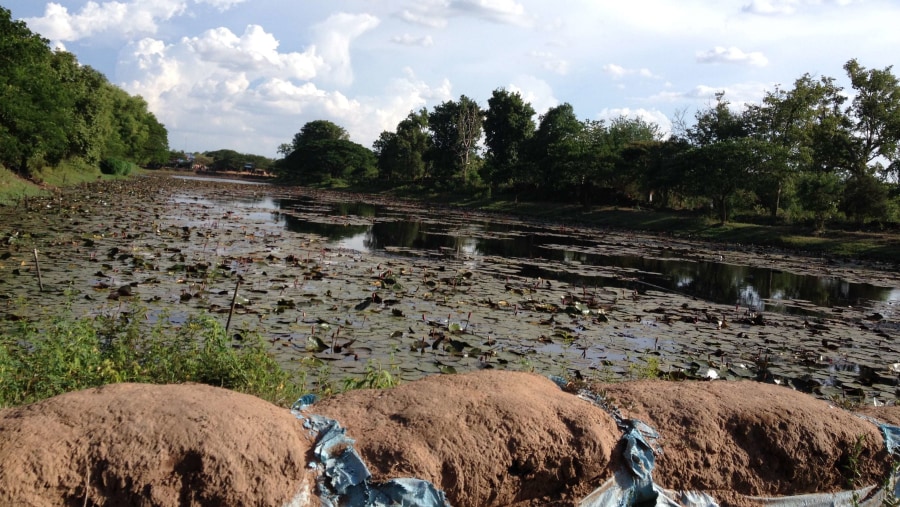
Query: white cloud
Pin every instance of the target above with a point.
(221, 5)
(737, 95)
(411, 40)
(334, 36)
(428, 13)
(435, 13)
(551, 62)
(535, 91)
(732, 54)
(618, 72)
(498, 11)
(121, 19)
(783, 7)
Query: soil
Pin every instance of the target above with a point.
(146, 445)
(487, 438)
(751, 438)
(490, 438)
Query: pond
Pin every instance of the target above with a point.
(340, 283)
(552, 254)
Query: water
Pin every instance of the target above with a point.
(551, 253)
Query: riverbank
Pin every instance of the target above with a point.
(169, 248)
(841, 241)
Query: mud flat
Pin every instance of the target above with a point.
(165, 245)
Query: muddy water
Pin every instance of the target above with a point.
(337, 282)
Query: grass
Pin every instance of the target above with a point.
(62, 354)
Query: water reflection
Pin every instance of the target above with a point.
(547, 253)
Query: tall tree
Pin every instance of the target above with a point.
(723, 158)
(323, 154)
(556, 148)
(456, 128)
(508, 125)
(875, 115)
(319, 130)
(401, 154)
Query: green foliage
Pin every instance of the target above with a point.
(508, 125)
(456, 128)
(65, 354)
(820, 194)
(116, 167)
(375, 377)
(54, 109)
(329, 162)
(316, 131)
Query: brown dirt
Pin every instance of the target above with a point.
(487, 438)
(131, 444)
(750, 438)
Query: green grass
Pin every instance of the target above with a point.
(13, 188)
(63, 354)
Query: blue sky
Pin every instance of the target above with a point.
(248, 74)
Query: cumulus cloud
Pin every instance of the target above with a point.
(732, 54)
(782, 7)
(737, 95)
(535, 91)
(411, 40)
(334, 36)
(116, 18)
(248, 95)
(618, 72)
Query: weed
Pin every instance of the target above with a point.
(648, 370)
(63, 354)
(375, 377)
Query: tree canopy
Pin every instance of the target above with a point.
(52, 108)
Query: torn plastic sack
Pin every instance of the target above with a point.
(344, 479)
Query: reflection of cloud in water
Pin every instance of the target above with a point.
(684, 281)
(355, 242)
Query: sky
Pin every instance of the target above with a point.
(248, 74)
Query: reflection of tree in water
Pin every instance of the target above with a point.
(334, 232)
(711, 281)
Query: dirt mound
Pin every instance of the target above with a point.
(751, 438)
(486, 438)
(131, 444)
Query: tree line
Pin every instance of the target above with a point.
(53, 109)
(812, 151)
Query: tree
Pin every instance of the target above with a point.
(820, 194)
(401, 155)
(33, 107)
(556, 149)
(323, 154)
(318, 130)
(865, 197)
(875, 116)
(330, 161)
(723, 158)
(456, 128)
(508, 125)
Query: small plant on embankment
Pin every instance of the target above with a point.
(55, 356)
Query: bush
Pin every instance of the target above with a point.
(61, 355)
(116, 167)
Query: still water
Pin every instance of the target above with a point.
(545, 252)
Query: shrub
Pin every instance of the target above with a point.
(41, 360)
(116, 167)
